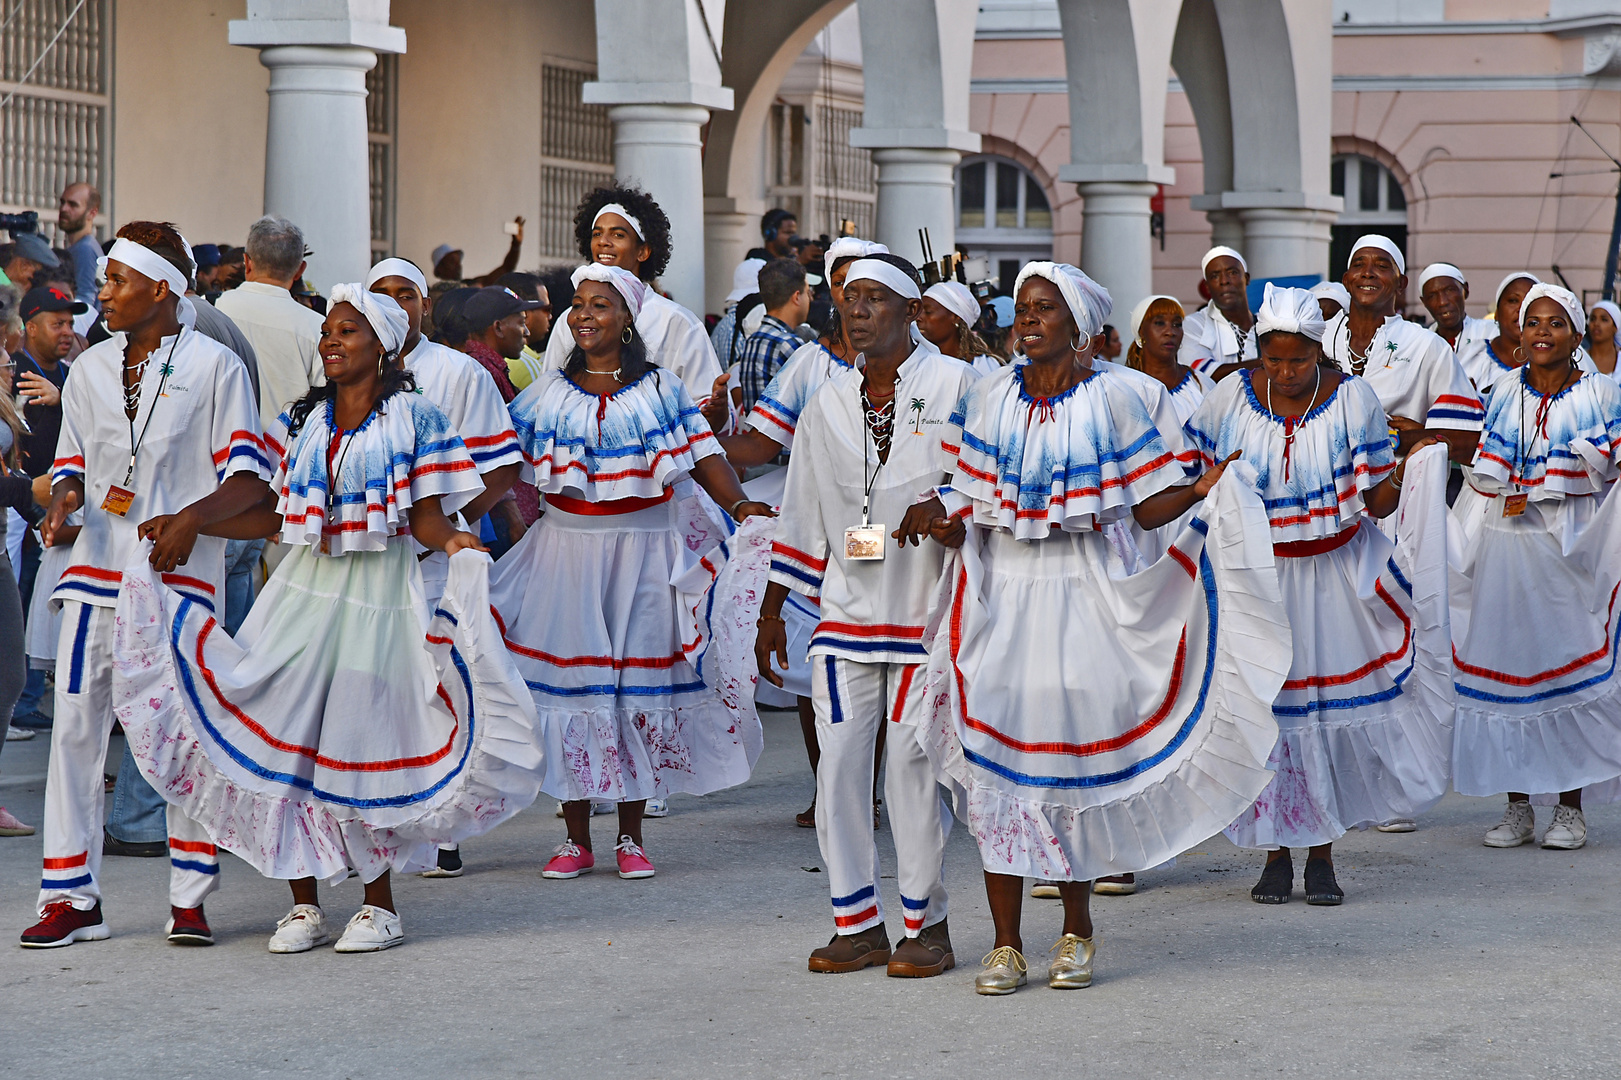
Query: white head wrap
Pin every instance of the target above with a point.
(143, 260)
(629, 285)
(851, 245)
(388, 320)
(1563, 297)
(615, 208)
(1439, 269)
(1384, 244)
(398, 268)
(1140, 312)
(1293, 311)
(886, 274)
(1088, 301)
(1503, 285)
(1333, 290)
(955, 298)
(1217, 252)
(1612, 308)
(745, 279)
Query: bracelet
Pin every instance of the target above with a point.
(1395, 479)
(769, 618)
(732, 513)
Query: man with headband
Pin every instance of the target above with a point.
(1415, 374)
(1219, 338)
(1443, 290)
(890, 420)
(160, 440)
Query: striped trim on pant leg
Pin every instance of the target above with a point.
(914, 912)
(58, 871)
(76, 661)
(858, 911)
(194, 855)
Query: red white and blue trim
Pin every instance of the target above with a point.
(798, 570)
(878, 643)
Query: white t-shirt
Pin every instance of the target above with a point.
(676, 341)
(197, 423)
(466, 393)
(286, 339)
(1413, 371)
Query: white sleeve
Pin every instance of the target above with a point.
(484, 423)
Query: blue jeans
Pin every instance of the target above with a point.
(137, 815)
(241, 563)
(33, 693)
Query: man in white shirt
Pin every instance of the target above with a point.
(873, 440)
(1443, 290)
(285, 334)
(160, 439)
(1219, 338)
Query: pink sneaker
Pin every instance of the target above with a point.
(633, 862)
(570, 862)
(10, 826)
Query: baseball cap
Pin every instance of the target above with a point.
(206, 255)
(31, 247)
(441, 251)
(49, 298)
(486, 306)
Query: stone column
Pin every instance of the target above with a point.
(916, 190)
(317, 172)
(1287, 241)
(1226, 229)
(657, 147)
(1116, 248)
(727, 232)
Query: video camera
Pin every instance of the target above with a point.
(25, 222)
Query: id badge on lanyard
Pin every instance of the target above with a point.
(1514, 504)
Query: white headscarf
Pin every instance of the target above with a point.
(1612, 308)
(1140, 312)
(1088, 301)
(886, 274)
(398, 268)
(615, 208)
(1440, 269)
(1217, 252)
(1563, 297)
(745, 279)
(1516, 275)
(143, 260)
(955, 298)
(851, 245)
(1384, 244)
(1293, 311)
(1333, 290)
(388, 320)
(629, 285)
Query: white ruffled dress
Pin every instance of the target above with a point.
(1365, 718)
(1091, 723)
(1534, 597)
(346, 725)
(608, 613)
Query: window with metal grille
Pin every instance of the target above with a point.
(381, 114)
(1374, 203)
(576, 155)
(816, 173)
(55, 104)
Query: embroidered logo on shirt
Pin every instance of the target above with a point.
(916, 408)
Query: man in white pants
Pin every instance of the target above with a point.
(874, 440)
(160, 438)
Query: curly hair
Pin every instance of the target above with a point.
(643, 208)
(163, 238)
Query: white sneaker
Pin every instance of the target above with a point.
(600, 806)
(18, 734)
(1519, 826)
(1399, 825)
(300, 930)
(371, 930)
(656, 808)
(1568, 831)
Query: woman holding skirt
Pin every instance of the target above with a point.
(1364, 718)
(615, 657)
(1092, 723)
(1534, 624)
(343, 726)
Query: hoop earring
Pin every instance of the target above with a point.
(1518, 353)
(625, 337)
(1076, 349)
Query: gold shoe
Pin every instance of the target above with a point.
(1005, 971)
(1071, 969)
(1045, 890)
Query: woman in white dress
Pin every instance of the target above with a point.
(614, 656)
(1091, 723)
(1602, 322)
(1502, 353)
(1364, 718)
(343, 726)
(1534, 622)
(947, 320)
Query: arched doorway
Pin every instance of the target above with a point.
(1003, 216)
(1374, 203)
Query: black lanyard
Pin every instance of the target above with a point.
(163, 378)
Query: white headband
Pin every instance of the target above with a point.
(1217, 252)
(1611, 307)
(1140, 312)
(1333, 290)
(955, 298)
(851, 245)
(1384, 244)
(615, 208)
(1502, 286)
(388, 320)
(628, 284)
(398, 268)
(1089, 303)
(1292, 311)
(1435, 270)
(143, 260)
(886, 274)
(1563, 297)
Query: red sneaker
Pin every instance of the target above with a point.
(63, 924)
(633, 861)
(570, 861)
(187, 926)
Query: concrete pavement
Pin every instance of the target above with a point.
(1448, 960)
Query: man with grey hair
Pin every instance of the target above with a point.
(285, 334)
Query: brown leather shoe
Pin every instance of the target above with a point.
(927, 954)
(852, 952)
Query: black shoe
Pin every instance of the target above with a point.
(450, 864)
(1321, 888)
(1277, 882)
(34, 721)
(112, 845)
